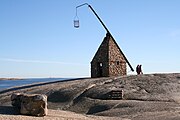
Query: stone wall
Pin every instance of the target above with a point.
(117, 63)
(101, 57)
(108, 60)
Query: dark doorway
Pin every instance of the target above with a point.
(100, 69)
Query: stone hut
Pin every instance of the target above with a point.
(109, 60)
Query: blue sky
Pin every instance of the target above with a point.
(37, 37)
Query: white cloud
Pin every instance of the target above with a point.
(37, 61)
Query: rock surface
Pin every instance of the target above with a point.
(16, 100)
(30, 104)
(146, 97)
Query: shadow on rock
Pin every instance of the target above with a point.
(9, 110)
(98, 108)
(59, 96)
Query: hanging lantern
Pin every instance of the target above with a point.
(76, 20)
(76, 23)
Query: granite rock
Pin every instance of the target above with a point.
(30, 104)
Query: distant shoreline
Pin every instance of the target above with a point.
(11, 78)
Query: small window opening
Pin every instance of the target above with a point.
(118, 62)
(100, 64)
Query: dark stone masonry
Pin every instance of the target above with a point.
(108, 60)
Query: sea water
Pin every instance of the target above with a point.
(4, 84)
